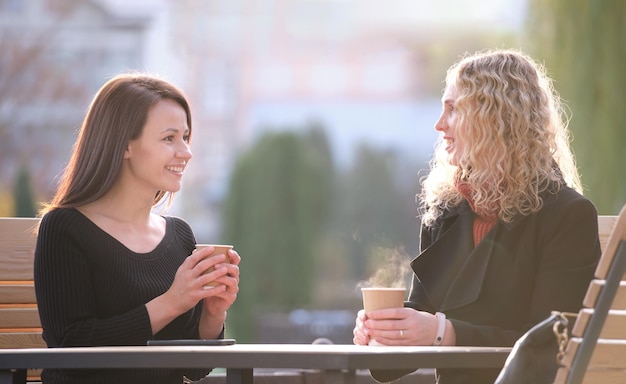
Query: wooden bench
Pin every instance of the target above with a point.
(19, 319)
(20, 326)
(596, 352)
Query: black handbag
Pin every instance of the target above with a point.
(536, 355)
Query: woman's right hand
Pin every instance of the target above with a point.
(361, 336)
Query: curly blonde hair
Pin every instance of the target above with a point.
(514, 134)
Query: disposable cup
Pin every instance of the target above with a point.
(375, 298)
(219, 249)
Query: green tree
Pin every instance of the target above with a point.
(23, 194)
(274, 215)
(375, 212)
(583, 44)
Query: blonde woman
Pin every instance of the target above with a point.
(506, 235)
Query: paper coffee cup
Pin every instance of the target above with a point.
(219, 249)
(375, 298)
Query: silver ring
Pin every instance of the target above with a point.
(402, 334)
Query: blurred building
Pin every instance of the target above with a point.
(255, 65)
(56, 54)
(248, 66)
(361, 68)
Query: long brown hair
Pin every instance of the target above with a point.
(116, 116)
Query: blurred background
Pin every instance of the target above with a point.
(313, 123)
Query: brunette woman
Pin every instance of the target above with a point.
(109, 270)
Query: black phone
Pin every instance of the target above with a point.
(192, 342)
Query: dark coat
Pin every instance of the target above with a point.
(513, 279)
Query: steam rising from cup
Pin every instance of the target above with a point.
(391, 269)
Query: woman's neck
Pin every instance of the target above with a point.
(121, 206)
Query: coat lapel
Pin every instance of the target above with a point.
(466, 287)
(451, 270)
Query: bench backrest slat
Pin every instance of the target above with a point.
(605, 226)
(597, 351)
(17, 247)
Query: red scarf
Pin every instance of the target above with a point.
(482, 224)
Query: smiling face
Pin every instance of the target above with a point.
(156, 160)
(447, 125)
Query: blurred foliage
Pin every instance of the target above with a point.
(435, 56)
(274, 215)
(583, 44)
(309, 233)
(374, 212)
(373, 230)
(23, 194)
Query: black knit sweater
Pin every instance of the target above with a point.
(92, 290)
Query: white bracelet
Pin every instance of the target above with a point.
(441, 328)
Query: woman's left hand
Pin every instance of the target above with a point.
(396, 326)
(227, 288)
